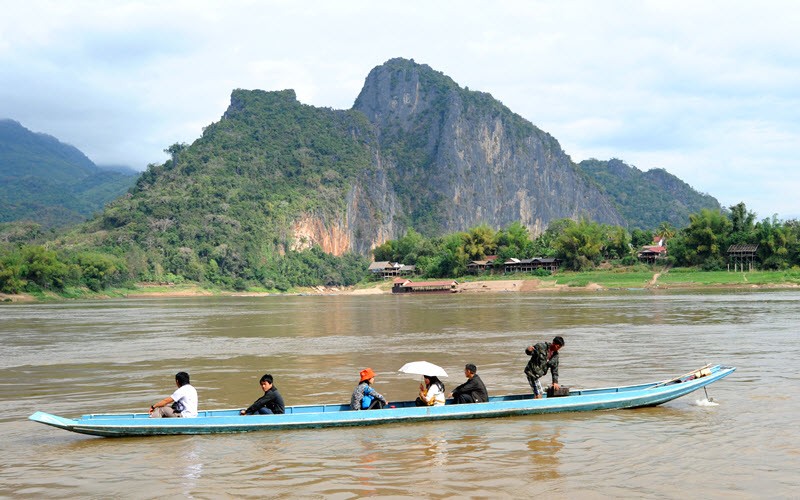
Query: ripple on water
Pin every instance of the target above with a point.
(121, 355)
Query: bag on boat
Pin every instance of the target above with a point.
(557, 393)
(177, 406)
(366, 401)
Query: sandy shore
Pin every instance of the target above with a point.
(533, 285)
(492, 286)
(489, 286)
(17, 297)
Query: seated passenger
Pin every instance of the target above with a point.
(364, 396)
(182, 402)
(471, 391)
(271, 403)
(431, 393)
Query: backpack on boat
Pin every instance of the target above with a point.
(366, 401)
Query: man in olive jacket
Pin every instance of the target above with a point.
(471, 391)
(543, 355)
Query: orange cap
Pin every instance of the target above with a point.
(366, 374)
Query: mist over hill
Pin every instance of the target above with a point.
(49, 182)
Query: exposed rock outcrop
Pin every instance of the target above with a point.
(460, 158)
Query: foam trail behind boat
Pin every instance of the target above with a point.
(704, 402)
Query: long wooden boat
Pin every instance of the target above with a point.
(336, 415)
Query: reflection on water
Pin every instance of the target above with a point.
(121, 355)
(191, 463)
(544, 448)
(436, 450)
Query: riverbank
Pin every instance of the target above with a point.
(565, 281)
(619, 279)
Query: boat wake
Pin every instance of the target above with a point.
(704, 402)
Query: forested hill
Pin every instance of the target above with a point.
(264, 180)
(49, 182)
(646, 199)
(274, 176)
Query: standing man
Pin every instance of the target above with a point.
(543, 355)
(471, 391)
(182, 402)
(271, 403)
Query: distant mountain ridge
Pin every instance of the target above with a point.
(49, 182)
(648, 198)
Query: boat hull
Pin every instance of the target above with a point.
(335, 415)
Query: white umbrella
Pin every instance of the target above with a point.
(423, 368)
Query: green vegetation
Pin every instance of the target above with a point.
(686, 276)
(697, 255)
(51, 183)
(580, 244)
(223, 212)
(634, 277)
(33, 268)
(647, 199)
(583, 245)
(218, 212)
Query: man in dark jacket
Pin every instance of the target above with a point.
(543, 355)
(471, 391)
(268, 404)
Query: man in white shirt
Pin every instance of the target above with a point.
(182, 402)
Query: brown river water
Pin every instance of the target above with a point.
(121, 355)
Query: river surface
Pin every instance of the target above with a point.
(121, 356)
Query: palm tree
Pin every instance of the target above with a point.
(479, 242)
(666, 231)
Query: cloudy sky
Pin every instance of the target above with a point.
(708, 90)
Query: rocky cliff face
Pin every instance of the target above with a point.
(369, 219)
(458, 158)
